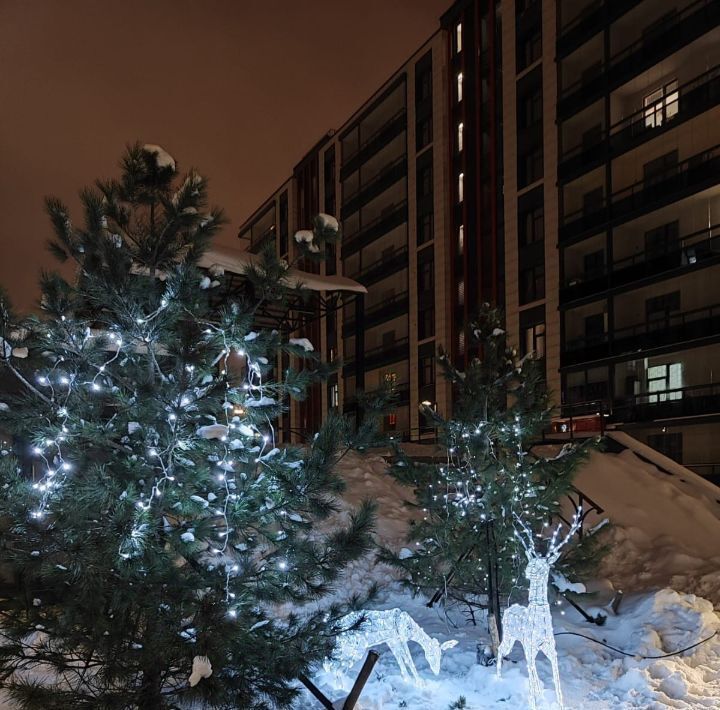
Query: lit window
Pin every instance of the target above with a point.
(461, 293)
(458, 37)
(667, 380)
(459, 87)
(461, 179)
(461, 239)
(460, 137)
(661, 105)
(334, 396)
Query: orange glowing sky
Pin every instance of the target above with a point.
(239, 89)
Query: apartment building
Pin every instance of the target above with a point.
(558, 158)
(638, 173)
(383, 173)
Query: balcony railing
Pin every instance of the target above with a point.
(691, 401)
(389, 125)
(689, 251)
(674, 328)
(396, 169)
(382, 267)
(401, 393)
(380, 312)
(383, 354)
(392, 216)
(690, 175)
(693, 97)
(676, 30)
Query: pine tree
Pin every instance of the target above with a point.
(162, 534)
(464, 546)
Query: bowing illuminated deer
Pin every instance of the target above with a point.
(395, 628)
(532, 624)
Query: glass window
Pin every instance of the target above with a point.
(666, 380)
(461, 239)
(334, 395)
(461, 180)
(458, 38)
(426, 373)
(534, 341)
(460, 137)
(661, 105)
(459, 87)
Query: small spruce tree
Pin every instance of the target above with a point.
(464, 547)
(161, 537)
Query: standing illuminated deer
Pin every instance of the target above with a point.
(532, 624)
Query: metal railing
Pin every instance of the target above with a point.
(398, 255)
(689, 249)
(386, 125)
(634, 193)
(387, 214)
(374, 180)
(658, 115)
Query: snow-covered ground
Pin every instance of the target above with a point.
(666, 529)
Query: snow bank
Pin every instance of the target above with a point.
(592, 676)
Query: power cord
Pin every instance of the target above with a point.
(635, 655)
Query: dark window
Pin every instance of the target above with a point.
(670, 445)
(531, 220)
(594, 263)
(388, 339)
(426, 372)
(529, 49)
(662, 239)
(532, 226)
(426, 323)
(426, 276)
(530, 109)
(595, 325)
(425, 228)
(423, 133)
(531, 166)
(424, 194)
(659, 308)
(593, 200)
(657, 169)
(532, 283)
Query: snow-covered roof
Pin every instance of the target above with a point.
(237, 261)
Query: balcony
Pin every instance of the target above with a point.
(375, 186)
(695, 325)
(692, 98)
(693, 174)
(379, 313)
(377, 140)
(696, 250)
(392, 216)
(677, 30)
(381, 268)
(694, 401)
(384, 354)
(589, 22)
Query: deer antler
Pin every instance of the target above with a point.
(527, 542)
(555, 547)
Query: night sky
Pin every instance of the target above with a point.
(239, 89)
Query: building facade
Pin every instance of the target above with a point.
(558, 158)
(638, 123)
(384, 174)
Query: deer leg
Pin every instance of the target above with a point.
(533, 679)
(504, 649)
(396, 647)
(551, 653)
(407, 658)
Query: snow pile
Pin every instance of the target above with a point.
(162, 157)
(665, 528)
(592, 676)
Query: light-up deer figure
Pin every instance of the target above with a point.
(532, 624)
(393, 627)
